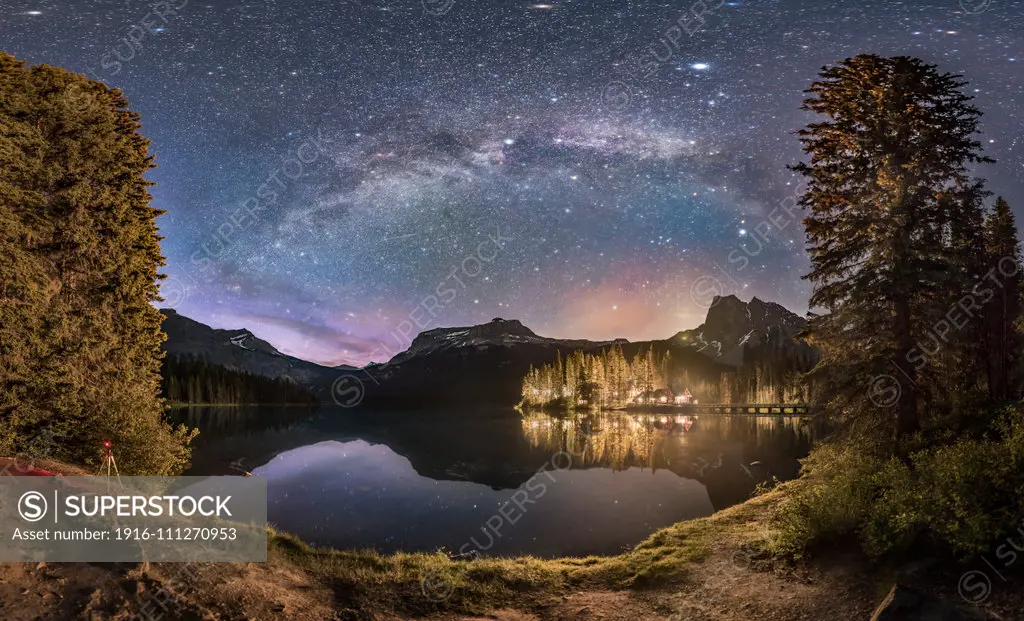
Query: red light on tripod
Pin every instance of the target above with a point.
(106, 444)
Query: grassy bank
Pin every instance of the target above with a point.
(422, 583)
(724, 567)
(676, 570)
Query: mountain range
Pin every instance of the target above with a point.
(486, 363)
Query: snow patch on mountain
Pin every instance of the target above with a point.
(732, 325)
(239, 341)
(498, 332)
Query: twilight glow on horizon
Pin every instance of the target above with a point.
(335, 171)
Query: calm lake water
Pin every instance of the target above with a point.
(494, 482)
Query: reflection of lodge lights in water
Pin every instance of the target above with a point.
(621, 441)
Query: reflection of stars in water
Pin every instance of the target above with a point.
(493, 117)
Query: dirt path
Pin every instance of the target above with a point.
(723, 588)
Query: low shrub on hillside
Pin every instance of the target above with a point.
(960, 495)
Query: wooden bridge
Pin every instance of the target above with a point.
(755, 409)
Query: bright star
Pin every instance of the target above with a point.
(699, 66)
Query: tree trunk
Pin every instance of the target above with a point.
(906, 411)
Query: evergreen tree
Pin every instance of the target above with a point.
(1003, 341)
(558, 376)
(596, 387)
(888, 194)
(190, 380)
(79, 259)
(963, 365)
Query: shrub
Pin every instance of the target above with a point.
(959, 496)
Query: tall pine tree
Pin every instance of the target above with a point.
(79, 254)
(887, 201)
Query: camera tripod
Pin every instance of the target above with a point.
(108, 461)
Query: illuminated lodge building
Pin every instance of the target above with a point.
(664, 396)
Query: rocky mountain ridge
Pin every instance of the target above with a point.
(486, 362)
(732, 325)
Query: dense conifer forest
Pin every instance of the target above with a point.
(608, 380)
(192, 381)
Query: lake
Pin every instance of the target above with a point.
(492, 481)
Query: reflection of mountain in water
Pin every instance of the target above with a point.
(502, 450)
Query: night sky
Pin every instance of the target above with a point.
(595, 169)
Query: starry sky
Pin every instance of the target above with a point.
(340, 174)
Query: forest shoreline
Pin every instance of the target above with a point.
(255, 404)
(719, 567)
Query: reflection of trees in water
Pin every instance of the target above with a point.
(617, 442)
(683, 444)
(222, 421)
